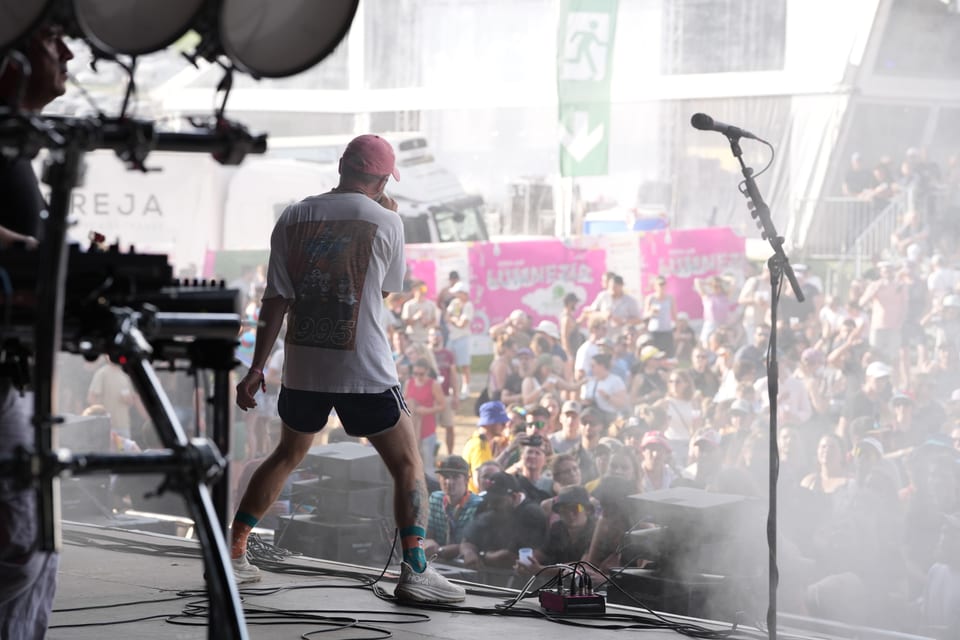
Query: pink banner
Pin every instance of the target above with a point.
(682, 255)
(532, 275)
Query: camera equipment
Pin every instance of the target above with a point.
(127, 305)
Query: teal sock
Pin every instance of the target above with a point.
(411, 538)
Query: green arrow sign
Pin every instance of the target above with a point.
(584, 64)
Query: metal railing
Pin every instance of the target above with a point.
(875, 239)
(836, 225)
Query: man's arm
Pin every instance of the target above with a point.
(272, 311)
(8, 237)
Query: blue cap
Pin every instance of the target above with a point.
(493, 413)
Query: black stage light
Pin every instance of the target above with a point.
(283, 37)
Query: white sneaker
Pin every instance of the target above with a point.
(243, 571)
(428, 586)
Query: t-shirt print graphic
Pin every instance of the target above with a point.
(328, 262)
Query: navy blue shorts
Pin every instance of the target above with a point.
(362, 414)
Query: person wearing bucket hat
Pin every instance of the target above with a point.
(486, 440)
(452, 509)
(548, 332)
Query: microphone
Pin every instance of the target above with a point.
(705, 123)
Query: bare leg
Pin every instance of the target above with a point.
(449, 436)
(400, 451)
(267, 482)
(465, 379)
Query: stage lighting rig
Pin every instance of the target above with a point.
(126, 305)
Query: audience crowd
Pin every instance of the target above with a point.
(625, 395)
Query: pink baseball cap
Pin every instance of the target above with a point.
(371, 154)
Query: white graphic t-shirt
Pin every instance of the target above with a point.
(332, 255)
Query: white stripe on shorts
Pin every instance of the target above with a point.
(400, 401)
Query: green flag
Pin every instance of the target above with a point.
(585, 38)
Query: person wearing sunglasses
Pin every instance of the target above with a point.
(535, 424)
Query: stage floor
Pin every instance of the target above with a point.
(110, 576)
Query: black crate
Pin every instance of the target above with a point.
(347, 462)
(350, 539)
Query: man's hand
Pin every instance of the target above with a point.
(387, 202)
(247, 388)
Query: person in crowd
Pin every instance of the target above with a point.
(534, 426)
(571, 532)
(485, 442)
(705, 459)
(569, 436)
(684, 338)
(872, 400)
(543, 380)
(604, 391)
(503, 367)
(661, 309)
(400, 343)
(705, 380)
(887, 297)
(571, 337)
(350, 371)
(482, 475)
(564, 468)
(449, 380)
(590, 348)
(940, 601)
(716, 305)
(112, 388)
(655, 452)
(444, 298)
(623, 464)
(27, 575)
(452, 509)
(683, 413)
(831, 476)
(945, 368)
(419, 314)
(530, 476)
(649, 379)
(942, 279)
(616, 307)
(857, 179)
(425, 400)
(615, 519)
(547, 330)
(459, 315)
(517, 326)
(505, 522)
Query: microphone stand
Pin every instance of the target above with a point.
(779, 266)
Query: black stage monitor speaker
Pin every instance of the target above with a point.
(695, 511)
(347, 462)
(363, 541)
